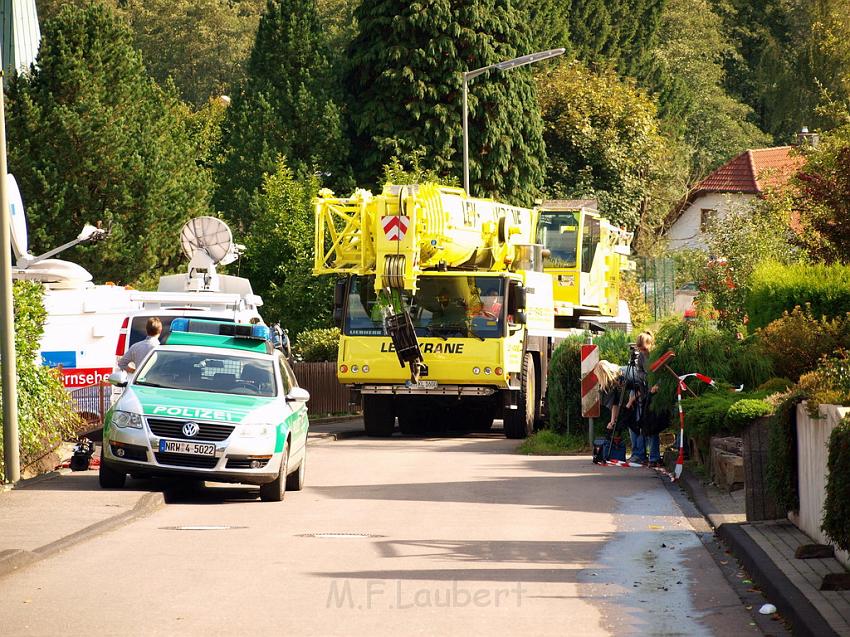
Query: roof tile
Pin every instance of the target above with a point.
(753, 171)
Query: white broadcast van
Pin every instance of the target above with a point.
(89, 325)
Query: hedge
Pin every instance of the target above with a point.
(782, 457)
(776, 288)
(564, 379)
(317, 345)
(46, 415)
(836, 510)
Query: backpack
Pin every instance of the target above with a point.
(605, 449)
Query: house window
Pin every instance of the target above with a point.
(707, 215)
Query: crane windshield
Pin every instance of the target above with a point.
(558, 231)
(443, 306)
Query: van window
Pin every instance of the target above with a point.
(137, 326)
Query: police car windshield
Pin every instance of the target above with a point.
(218, 373)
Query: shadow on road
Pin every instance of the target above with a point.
(519, 551)
(88, 481)
(497, 574)
(545, 492)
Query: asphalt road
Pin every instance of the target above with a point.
(435, 536)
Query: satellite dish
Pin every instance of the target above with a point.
(209, 235)
(18, 222)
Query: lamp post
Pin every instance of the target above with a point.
(11, 458)
(501, 66)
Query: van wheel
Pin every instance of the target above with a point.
(110, 478)
(378, 416)
(275, 490)
(295, 480)
(519, 422)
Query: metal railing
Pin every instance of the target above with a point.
(92, 402)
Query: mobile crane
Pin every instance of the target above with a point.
(458, 290)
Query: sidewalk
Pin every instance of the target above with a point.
(49, 513)
(766, 550)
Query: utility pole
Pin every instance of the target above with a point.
(9, 376)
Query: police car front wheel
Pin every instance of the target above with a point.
(275, 490)
(109, 478)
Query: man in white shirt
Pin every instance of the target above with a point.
(137, 352)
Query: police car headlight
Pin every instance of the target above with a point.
(256, 431)
(124, 419)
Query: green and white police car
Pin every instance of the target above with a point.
(215, 402)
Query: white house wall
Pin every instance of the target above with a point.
(685, 233)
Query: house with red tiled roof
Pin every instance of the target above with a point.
(736, 182)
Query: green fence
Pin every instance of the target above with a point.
(657, 278)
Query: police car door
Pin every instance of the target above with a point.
(298, 407)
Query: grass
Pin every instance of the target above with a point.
(550, 443)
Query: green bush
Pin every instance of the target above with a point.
(317, 345)
(782, 457)
(701, 347)
(563, 392)
(775, 386)
(775, 289)
(750, 363)
(829, 383)
(745, 411)
(718, 412)
(564, 379)
(796, 341)
(836, 510)
(45, 412)
(705, 416)
(551, 443)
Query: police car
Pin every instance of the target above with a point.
(215, 402)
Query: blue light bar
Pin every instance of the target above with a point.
(221, 328)
(261, 331)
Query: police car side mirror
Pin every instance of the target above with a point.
(119, 379)
(298, 394)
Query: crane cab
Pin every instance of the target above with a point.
(585, 255)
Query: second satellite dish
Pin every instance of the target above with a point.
(18, 222)
(211, 236)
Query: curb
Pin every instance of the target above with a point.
(788, 599)
(791, 603)
(336, 435)
(23, 484)
(14, 559)
(332, 419)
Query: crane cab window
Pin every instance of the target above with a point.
(589, 242)
(446, 306)
(558, 232)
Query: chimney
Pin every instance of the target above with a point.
(805, 138)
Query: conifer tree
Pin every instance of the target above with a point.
(93, 138)
(287, 107)
(405, 91)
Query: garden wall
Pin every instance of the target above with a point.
(812, 454)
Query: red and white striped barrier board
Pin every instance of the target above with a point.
(589, 382)
(395, 226)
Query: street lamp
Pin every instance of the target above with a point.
(501, 66)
